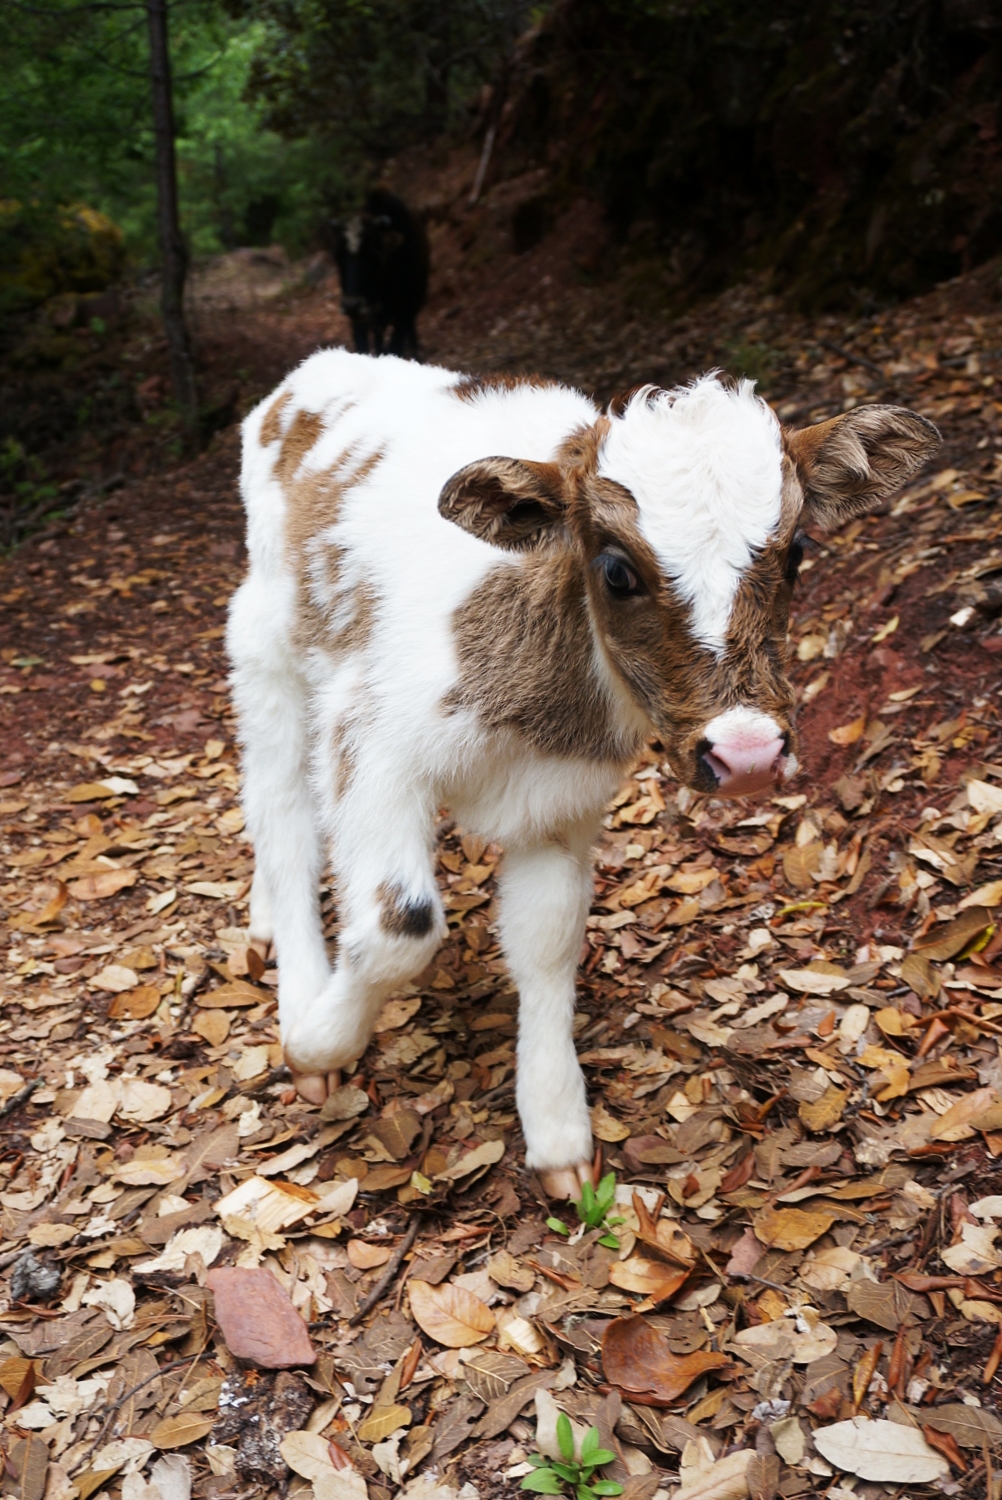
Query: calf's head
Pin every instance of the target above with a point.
(682, 514)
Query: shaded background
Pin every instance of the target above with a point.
(841, 156)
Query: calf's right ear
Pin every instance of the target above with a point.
(510, 502)
(850, 463)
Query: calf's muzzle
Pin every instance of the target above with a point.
(745, 751)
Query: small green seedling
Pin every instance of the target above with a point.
(593, 1210)
(550, 1477)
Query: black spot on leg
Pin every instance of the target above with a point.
(402, 915)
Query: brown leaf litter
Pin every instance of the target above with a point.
(790, 1017)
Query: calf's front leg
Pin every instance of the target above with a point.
(392, 922)
(545, 895)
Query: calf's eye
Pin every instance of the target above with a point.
(620, 579)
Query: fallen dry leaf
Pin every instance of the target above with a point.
(135, 1005)
(848, 734)
(946, 942)
(99, 887)
(381, 1421)
(235, 995)
(364, 1257)
(450, 1314)
(651, 1278)
(782, 1340)
(885, 1451)
(307, 1454)
(792, 1228)
(955, 1124)
(180, 1430)
(638, 1361)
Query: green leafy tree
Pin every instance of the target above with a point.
(368, 77)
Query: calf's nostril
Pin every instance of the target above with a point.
(707, 776)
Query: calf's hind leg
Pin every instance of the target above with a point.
(392, 923)
(281, 817)
(545, 895)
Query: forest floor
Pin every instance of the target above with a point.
(789, 1011)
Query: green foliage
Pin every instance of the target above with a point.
(367, 77)
(550, 1477)
(45, 250)
(283, 108)
(593, 1210)
(75, 126)
(23, 477)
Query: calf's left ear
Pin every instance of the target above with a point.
(509, 502)
(850, 463)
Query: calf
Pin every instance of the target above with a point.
(486, 595)
(382, 259)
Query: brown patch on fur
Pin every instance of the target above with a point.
(578, 453)
(300, 436)
(344, 759)
(470, 387)
(791, 499)
(402, 915)
(527, 660)
(849, 464)
(353, 635)
(271, 426)
(313, 505)
(313, 502)
(621, 400)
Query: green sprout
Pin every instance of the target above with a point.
(593, 1211)
(549, 1477)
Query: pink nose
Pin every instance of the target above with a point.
(744, 764)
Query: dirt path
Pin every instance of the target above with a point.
(786, 1020)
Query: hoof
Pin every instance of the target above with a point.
(567, 1182)
(314, 1087)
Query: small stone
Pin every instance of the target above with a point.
(33, 1281)
(257, 1319)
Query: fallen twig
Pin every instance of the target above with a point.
(174, 1364)
(389, 1275)
(498, 1093)
(19, 1098)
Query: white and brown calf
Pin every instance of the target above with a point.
(485, 596)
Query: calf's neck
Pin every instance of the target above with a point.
(485, 595)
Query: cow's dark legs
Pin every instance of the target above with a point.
(404, 340)
(360, 333)
(378, 338)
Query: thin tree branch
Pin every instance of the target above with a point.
(174, 1364)
(19, 1098)
(389, 1275)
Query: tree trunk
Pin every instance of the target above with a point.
(173, 254)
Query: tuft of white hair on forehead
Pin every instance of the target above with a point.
(704, 464)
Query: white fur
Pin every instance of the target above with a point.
(704, 466)
(383, 700)
(742, 725)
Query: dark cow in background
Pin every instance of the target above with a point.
(382, 259)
